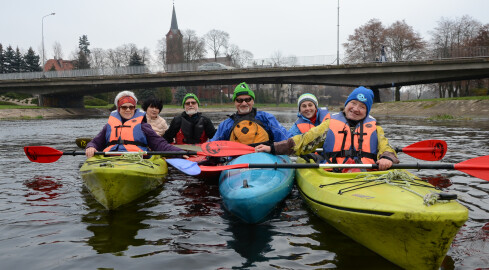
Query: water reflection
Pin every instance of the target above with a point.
(46, 188)
(251, 241)
(114, 231)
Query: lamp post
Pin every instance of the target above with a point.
(42, 33)
(338, 37)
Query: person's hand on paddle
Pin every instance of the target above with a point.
(90, 152)
(384, 164)
(263, 148)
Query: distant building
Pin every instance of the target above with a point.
(174, 42)
(59, 65)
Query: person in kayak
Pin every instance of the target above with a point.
(190, 127)
(309, 114)
(350, 136)
(127, 130)
(153, 106)
(248, 125)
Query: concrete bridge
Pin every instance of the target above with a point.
(69, 92)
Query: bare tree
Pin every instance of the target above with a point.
(98, 58)
(403, 42)
(161, 52)
(193, 46)
(57, 50)
(364, 45)
(216, 41)
(239, 58)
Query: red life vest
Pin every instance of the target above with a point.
(127, 137)
(341, 145)
(304, 125)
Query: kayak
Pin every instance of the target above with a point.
(118, 180)
(252, 194)
(404, 221)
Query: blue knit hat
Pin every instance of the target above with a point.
(364, 95)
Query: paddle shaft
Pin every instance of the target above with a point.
(364, 166)
(162, 153)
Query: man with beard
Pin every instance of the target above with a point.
(190, 127)
(248, 125)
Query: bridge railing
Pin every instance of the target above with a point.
(293, 61)
(83, 72)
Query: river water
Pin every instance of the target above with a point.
(48, 220)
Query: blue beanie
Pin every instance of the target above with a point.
(364, 95)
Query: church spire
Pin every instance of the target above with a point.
(174, 24)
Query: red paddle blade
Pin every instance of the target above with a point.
(477, 167)
(226, 149)
(222, 168)
(430, 150)
(42, 154)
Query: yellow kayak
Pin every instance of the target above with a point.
(393, 213)
(118, 180)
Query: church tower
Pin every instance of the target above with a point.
(174, 42)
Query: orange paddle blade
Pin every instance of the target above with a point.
(430, 150)
(226, 149)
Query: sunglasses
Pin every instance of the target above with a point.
(124, 108)
(240, 100)
(190, 103)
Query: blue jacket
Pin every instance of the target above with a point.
(271, 125)
(321, 115)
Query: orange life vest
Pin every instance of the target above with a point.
(304, 126)
(127, 136)
(341, 144)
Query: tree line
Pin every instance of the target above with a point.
(13, 61)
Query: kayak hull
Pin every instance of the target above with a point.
(252, 194)
(392, 221)
(115, 181)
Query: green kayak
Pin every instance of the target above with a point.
(118, 180)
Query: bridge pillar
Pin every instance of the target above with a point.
(61, 101)
(376, 94)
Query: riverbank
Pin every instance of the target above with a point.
(466, 109)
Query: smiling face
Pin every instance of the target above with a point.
(355, 110)
(191, 106)
(152, 112)
(244, 104)
(127, 110)
(307, 109)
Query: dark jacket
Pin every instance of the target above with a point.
(176, 125)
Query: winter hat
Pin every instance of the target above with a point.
(242, 89)
(190, 95)
(125, 97)
(307, 97)
(364, 95)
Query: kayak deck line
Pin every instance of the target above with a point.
(372, 212)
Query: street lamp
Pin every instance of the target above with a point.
(338, 37)
(42, 32)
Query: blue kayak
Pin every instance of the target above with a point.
(251, 194)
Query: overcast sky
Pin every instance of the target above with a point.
(263, 27)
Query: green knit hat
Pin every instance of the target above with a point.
(190, 95)
(242, 89)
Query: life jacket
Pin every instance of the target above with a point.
(249, 130)
(190, 133)
(305, 124)
(127, 137)
(341, 145)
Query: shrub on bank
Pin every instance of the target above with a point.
(92, 101)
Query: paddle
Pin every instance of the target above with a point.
(430, 150)
(185, 166)
(477, 167)
(226, 149)
(44, 154)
